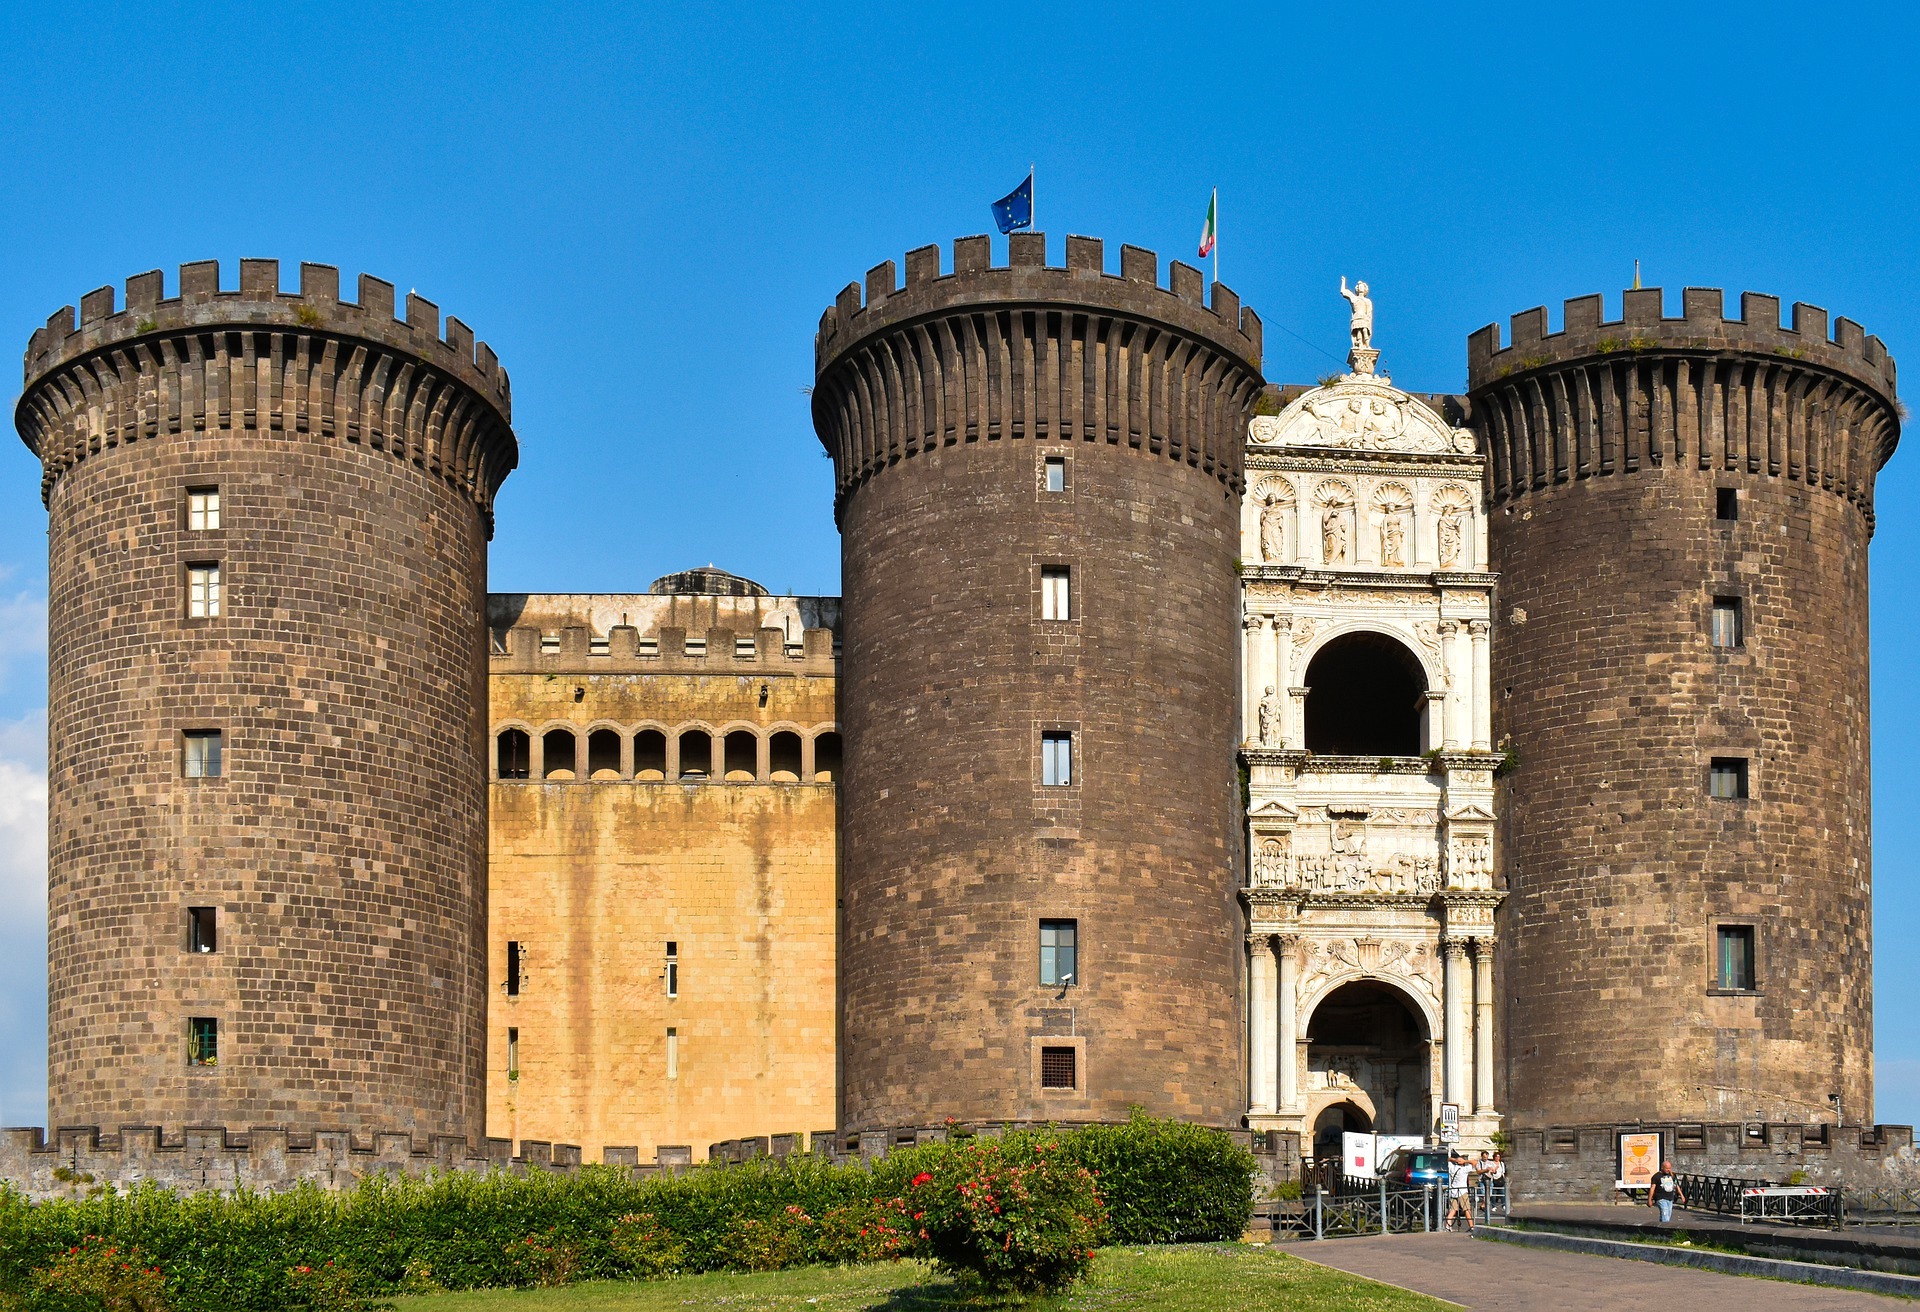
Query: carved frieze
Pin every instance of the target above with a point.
(1360, 413)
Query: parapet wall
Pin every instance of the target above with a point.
(266, 359)
(1576, 1163)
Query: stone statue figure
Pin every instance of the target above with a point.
(1273, 531)
(1362, 324)
(1269, 716)
(1333, 535)
(1393, 541)
(1451, 537)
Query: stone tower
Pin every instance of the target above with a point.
(1680, 517)
(268, 525)
(1038, 472)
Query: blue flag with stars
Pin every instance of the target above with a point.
(1015, 209)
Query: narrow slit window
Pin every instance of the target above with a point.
(1058, 1068)
(203, 509)
(515, 963)
(1059, 952)
(1056, 759)
(673, 969)
(1727, 778)
(203, 590)
(673, 1053)
(1735, 957)
(204, 754)
(203, 929)
(1726, 503)
(513, 1053)
(1056, 593)
(203, 1041)
(1728, 629)
(1056, 473)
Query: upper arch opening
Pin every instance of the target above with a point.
(1366, 694)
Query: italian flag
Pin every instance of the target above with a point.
(1210, 232)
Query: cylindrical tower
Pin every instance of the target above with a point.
(268, 524)
(1038, 474)
(1680, 517)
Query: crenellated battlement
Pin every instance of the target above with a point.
(1702, 326)
(883, 299)
(261, 358)
(198, 302)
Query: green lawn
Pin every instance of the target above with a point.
(1177, 1278)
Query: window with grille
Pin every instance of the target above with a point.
(203, 929)
(203, 1041)
(203, 754)
(203, 590)
(1734, 944)
(1056, 759)
(1727, 629)
(1056, 593)
(203, 508)
(1059, 952)
(1056, 473)
(1058, 1068)
(1727, 777)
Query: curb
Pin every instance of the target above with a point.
(1733, 1264)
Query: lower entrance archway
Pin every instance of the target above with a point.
(1370, 1037)
(1341, 1118)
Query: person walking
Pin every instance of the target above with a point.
(1665, 1192)
(1459, 1190)
(1496, 1178)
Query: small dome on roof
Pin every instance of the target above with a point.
(705, 582)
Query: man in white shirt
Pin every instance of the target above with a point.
(1459, 1189)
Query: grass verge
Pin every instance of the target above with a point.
(1174, 1278)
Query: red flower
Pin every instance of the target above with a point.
(920, 1179)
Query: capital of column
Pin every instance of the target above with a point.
(1453, 947)
(1251, 622)
(1479, 628)
(1283, 624)
(1256, 942)
(1482, 949)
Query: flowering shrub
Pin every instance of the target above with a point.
(871, 1230)
(329, 1287)
(780, 1241)
(545, 1261)
(96, 1276)
(1017, 1217)
(643, 1247)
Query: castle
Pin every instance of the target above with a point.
(1288, 759)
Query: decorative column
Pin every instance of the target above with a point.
(1483, 1025)
(1453, 952)
(1459, 690)
(1260, 1045)
(1250, 653)
(1482, 689)
(1289, 1023)
(1283, 671)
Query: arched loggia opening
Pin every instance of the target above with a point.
(1365, 697)
(1369, 1037)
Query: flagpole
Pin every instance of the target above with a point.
(1216, 234)
(1033, 202)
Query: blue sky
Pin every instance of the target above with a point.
(645, 209)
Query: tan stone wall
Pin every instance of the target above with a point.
(595, 878)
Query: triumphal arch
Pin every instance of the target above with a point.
(1371, 887)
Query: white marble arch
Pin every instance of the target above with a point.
(1417, 1000)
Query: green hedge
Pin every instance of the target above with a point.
(1160, 1181)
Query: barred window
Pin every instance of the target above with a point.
(203, 590)
(1057, 1068)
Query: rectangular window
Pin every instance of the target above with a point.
(1727, 777)
(1056, 592)
(1056, 473)
(743, 649)
(203, 508)
(203, 756)
(1059, 952)
(1735, 957)
(1056, 759)
(513, 967)
(673, 970)
(673, 1053)
(599, 646)
(203, 928)
(203, 1041)
(203, 590)
(1727, 631)
(696, 646)
(1726, 503)
(1057, 1068)
(513, 1054)
(549, 643)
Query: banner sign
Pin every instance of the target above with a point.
(1638, 1156)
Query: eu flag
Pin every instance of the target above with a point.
(1015, 209)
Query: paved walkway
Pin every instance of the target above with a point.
(1494, 1277)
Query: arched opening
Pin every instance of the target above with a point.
(696, 754)
(826, 757)
(650, 755)
(1369, 1036)
(742, 752)
(1365, 694)
(603, 754)
(516, 754)
(783, 758)
(1341, 1118)
(556, 751)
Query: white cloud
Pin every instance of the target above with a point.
(23, 916)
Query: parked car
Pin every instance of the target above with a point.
(1415, 1166)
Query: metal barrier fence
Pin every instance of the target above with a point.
(1360, 1206)
(1763, 1200)
(1889, 1206)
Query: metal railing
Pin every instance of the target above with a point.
(1763, 1200)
